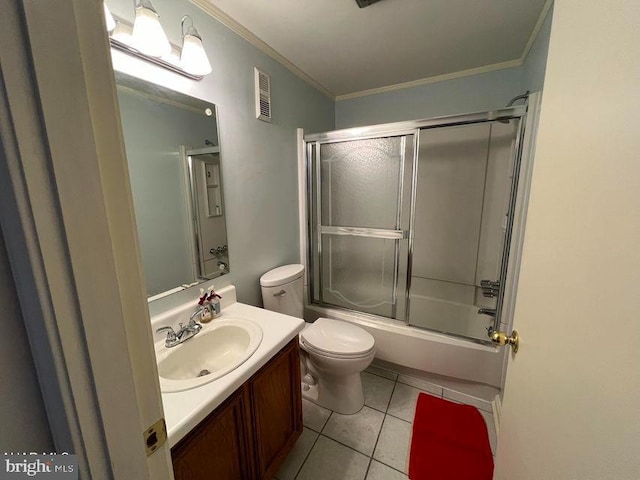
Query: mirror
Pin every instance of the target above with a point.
(205, 180)
(171, 140)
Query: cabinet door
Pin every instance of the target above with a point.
(276, 403)
(217, 448)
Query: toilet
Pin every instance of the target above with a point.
(333, 352)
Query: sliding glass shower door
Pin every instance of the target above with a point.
(413, 221)
(361, 207)
(463, 198)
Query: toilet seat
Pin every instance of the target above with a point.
(337, 339)
(342, 356)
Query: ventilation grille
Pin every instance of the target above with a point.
(263, 96)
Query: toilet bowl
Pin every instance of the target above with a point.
(333, 352)
(336, 353)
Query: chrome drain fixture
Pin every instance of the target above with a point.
(204, 372)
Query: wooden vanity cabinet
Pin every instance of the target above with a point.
(251, 433)
(276, 409)
(218, 447)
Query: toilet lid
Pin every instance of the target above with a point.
(281, 275)
(337, 338)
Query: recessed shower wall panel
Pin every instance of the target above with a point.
(452, 165)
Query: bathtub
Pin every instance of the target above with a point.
(448, 316)
(428, 351)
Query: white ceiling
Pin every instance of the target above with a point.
(347, 49)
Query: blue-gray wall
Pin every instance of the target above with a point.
(259, 159)
(462, 95)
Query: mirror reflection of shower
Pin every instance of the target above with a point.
(210, 249)
(415, 226)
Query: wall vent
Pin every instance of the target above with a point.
(263, 96)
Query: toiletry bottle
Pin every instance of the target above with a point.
(203, 297)
(214, 300)
(206, 314)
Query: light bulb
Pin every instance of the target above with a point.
(148, 36)
(193, 58)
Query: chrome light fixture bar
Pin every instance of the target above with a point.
(120, 40)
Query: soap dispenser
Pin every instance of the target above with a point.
(214, 301)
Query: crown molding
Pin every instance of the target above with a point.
(536, 30)
(435, 79)
(265, 48)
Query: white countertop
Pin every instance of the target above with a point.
(184, 410)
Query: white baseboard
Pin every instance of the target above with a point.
(496, 406)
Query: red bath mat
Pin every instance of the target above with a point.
(450, 442)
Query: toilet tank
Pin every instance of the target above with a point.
(282, 290)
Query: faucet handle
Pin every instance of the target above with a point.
(171, 334)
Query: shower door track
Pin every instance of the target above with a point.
(409, 127)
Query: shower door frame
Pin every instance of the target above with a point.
(403, 129)
(397, 234)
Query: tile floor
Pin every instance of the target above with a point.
(372, 444)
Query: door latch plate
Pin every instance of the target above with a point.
(155, 436)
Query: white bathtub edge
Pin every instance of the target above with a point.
(424, 350)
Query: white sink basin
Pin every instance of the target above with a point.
(221, 346)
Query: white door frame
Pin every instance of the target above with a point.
(572, 392)
(67, 215)
(519, 225)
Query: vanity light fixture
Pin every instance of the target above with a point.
(145, 39)
(193, 58)
(148, 35)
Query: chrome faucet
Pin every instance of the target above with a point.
(185, 332)
(487, 311)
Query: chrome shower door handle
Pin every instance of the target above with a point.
(281, 293)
